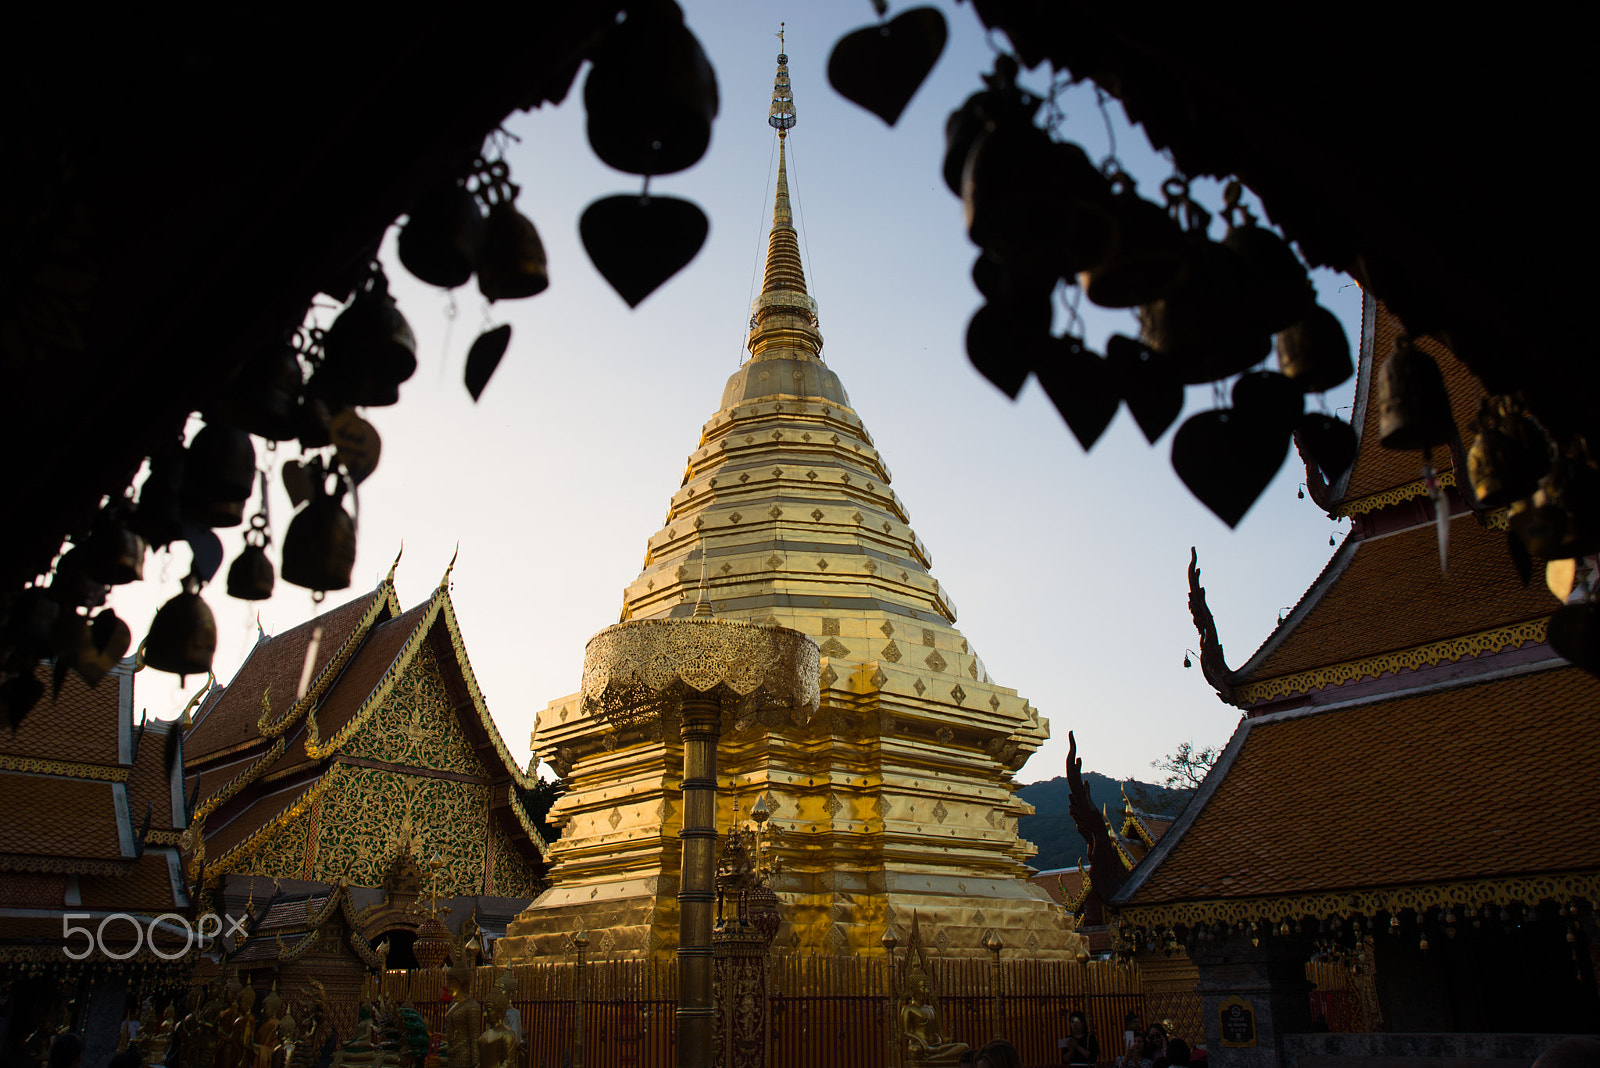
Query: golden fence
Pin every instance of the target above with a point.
(834, 1010)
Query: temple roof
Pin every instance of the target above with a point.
(1382, 594)
(266, 762)
(1328, 801)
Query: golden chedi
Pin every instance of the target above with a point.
(897, 795)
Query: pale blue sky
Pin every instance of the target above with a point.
(1068, 569)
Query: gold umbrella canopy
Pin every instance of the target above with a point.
(645, 669)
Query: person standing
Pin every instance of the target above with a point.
(1081, 1047)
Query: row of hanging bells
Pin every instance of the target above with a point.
(1208, 310)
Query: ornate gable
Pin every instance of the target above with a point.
(417, 725)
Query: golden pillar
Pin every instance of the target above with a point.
(700, 728)
(693, 670)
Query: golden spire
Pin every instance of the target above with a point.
(783, 320)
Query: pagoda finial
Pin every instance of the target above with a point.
(783, 321)
(702, 607)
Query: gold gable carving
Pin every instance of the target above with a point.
(361, 816)
(416, 725)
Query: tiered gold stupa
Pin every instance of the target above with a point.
(898, 794)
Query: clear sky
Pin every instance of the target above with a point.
(1068, 569)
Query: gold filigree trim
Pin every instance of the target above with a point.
(248, 848)
(317, 749)
(165, 838)
(388, 601)
(1484, 641)
(1074, 903)
(459, 646)
(64, 767)
(1563, 888)
(239, 781)
(1398, 495)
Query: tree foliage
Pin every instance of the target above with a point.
(1186, 768)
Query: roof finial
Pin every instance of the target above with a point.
(781, 117)
(389, 580)
(444, 581)
(702, 607)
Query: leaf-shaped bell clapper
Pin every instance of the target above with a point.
(1314, 352)
(512, 264)
(637, 243)
(651, 94)
(1509, 455)
(443, 236)
(319, 551)
(106, 641)
(368, 351)
(183, 636)
(881, 67)
(1149, 259)
(1413, 406)
(114, 554)
(218, 473)
(264, 396)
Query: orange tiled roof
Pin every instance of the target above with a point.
(150, 782)
(230, 719)
(80, 725)
(50, 816)
(1392, 596)
(1062, 884)
(1376, 468)
(146, 885)
(1324, 801)
(354, 685)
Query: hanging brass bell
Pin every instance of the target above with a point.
(72, 586)
(1009, 195)
(1413, 406)
(1148, 260)
(368, 351)
(157, 518)
(250, 576)
(443, 235)
(1204, 327)
(1277, 290)
(512, 264)
(1314, 351)
(651, 94)
(218, 473)
(114, 554)
(972, 119)
(1509, 455)
(263, 397)
(319, 551)
(183, 636)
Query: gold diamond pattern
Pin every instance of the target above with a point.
(817, 514)
(857, 516)
(614, 819)
(828, 677)
(935, 661)
(745, 477)
(774, 560)
(927, 636)
(775, 511)
(888, 629)
(945, 735)
(822, 564)
(735, 517)
(725, 568)
(994, 701)
(777, 472)
(879, 678)
(812, 475)
(834, 647)
(830, 626)
(958, 693)
(891, 652)
(940, 812)
(919, 686)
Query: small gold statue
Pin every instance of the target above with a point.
(463, 1023)
(266, 1034)
(917, 1015)
(236, 1029)
(497, 1046)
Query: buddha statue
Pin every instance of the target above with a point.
(924, 1045)
(463, 1022)
(236, 1032)
(265, 1038)
(497, 1046)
